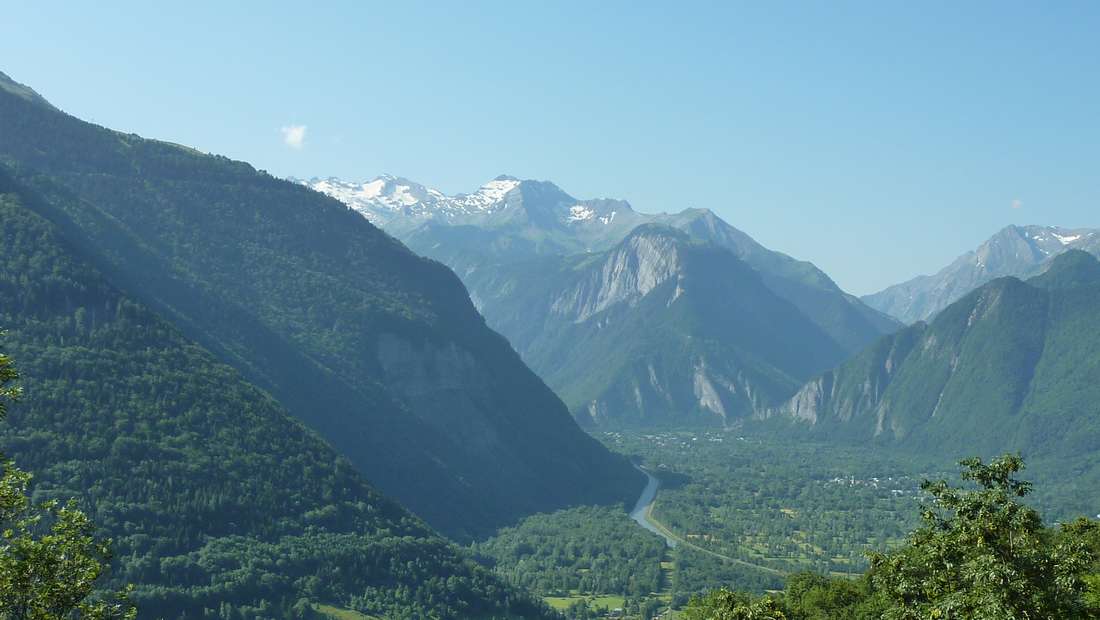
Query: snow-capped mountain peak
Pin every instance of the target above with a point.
(390, 201)
(489, 196)
(1019, 251)
(1052, 240)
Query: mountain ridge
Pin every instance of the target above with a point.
(1020, 251)
(1008, 367)
(525, 260)
(570, 226)
(379, 350)
(660, 329)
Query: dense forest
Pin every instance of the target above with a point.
(219, 504)
(588, 550)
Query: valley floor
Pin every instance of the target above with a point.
(720, 510)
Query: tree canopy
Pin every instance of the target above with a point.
(980, 553)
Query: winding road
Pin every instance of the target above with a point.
(643, 515)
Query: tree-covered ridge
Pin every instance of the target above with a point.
(219, 503)
(1011, 366)
(375, 348)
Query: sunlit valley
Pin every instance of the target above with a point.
(250, 376)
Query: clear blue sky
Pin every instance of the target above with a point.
(877, 139)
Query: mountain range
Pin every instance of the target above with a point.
(268, 346)
(579, 288)
(1020, 251)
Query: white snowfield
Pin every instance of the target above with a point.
(389, 200)
(387, 196)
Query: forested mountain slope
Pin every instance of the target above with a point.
(1011, 366)
(379, 350)
(220, 504)
(661, 330)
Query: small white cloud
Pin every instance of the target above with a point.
(294, 135)
(1017, 203)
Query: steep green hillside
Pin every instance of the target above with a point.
(661, 330)
(1011, 366)
(379, 350)
(220, 504)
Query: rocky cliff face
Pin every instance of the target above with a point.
(1018, 251)
(625, 275)
(837, 396)
(659, 330)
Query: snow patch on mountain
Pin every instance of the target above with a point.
(387, 197)
(489, 195)
(581, 213)
(394, 200)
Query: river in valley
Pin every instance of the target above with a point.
(645, 503)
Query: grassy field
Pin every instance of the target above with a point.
(563, 602)
(339, 613)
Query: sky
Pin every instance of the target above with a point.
(878, 140)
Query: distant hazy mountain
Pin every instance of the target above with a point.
(597, 311)
(516, 244)
(850, 322)
(1020, 251)
(504, 218)
(659, 330)
(377, 349)
(1012, 365)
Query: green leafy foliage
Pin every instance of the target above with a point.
(982, 554)
(727, 605)
(50, 560)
